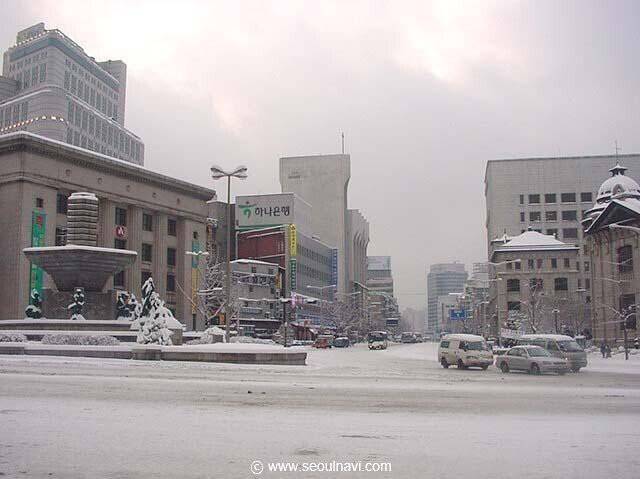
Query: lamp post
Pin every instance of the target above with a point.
(197, 255)
(292, 301)
(217, 173)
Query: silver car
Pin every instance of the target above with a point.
(533, 359)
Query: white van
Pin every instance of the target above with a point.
(464, 350)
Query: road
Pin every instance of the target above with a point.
(77, 418)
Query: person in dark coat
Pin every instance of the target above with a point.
(603, 348)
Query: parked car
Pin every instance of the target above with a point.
(323, 341)
(560, 346)
(408, 337)
(464, 350)
(377, 340)
(341, 342)
(533, 359)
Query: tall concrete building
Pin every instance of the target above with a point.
(51, 87)
(358, 240)
(443, 278)
(322, 181)
(550, 195)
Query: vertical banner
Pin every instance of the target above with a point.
(293, 241)
(195, 247)
(334, 266)
(292, 274)
(38, 227)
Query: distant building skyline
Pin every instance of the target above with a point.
(442, 279)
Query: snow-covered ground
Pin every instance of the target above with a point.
(82, 417)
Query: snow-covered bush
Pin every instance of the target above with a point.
(80, 339)
(33, 310)
(154, 318)
(250, 340)
(12, 338)
(209, 336)
(78, 304)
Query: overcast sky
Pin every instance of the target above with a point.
(425, 92)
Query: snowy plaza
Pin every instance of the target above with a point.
(83, 417)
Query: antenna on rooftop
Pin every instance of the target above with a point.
(342, 136)
(617, 151)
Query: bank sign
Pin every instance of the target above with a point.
(264, 210)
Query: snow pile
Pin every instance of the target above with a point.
(210, 336)
(250, 340)
(80, 340)
(154, 318)
(12, 338)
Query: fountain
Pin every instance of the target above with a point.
(80, 264)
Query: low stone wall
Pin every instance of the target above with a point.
(64, 325)
(151, 352)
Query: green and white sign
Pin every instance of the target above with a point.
(38, 230)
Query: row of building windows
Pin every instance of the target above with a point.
(538, 263)
(83, 91)
(15, 113)
(310, 272)
(536, 216)
(537, 285)
(97, 130)
(31, 59)
(551, 198)
(31, 76)
(314, 256)
(89, 78)
(147, 222)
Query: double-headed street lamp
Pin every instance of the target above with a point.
(218, 173)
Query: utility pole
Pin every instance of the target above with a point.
(342, 135)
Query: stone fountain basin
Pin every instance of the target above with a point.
(77, 266)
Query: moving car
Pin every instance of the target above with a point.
(377, 340)
(533, 359)
(464, 350)
(341, 342)
(408, 337)
(560, 346)
(323, 341)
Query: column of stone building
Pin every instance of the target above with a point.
(134, 243)
(160, 253)
(106, 227)
(183, 273)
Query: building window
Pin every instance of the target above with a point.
(561, 284)
(147, 253)
(552, 232)
(625, 259)
(568, 197)
(551, 215)
(147, 222)
(522, 199)
(43, 72)
(171, 227)
(121, 216)
(513, 285)
(534, 216)
(587, 266)
(253, 269)
(586, 197)
(522, 217)
(518, 266)
(39, 203)
(534, 199)
(171, 282)
(120, 243)
(569, 215)
(61, 236)
(118, 280)
(509, 266)
(567, 263)
(539, 263)
(171, 257)
(587, 283)
(570, 233)
(530, 264)
(554, 263)
(251, 288)
(513, 306)
(144, 276)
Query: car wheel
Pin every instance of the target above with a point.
(444, 363)
(575, 370)
(535, 369)
(461, 364)
(504, 367)
(484, 368)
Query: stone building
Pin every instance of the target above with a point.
(157, 216)
(534, 285)
(612, 230)
(51, 87)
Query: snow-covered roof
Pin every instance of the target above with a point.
(464, 337)
(617, 184)
(252, 261)
(533, 241)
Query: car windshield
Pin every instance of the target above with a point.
(538, 352)
(377, 337)
(569, 346)
(477, 346)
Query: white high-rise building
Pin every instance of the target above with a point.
(51, 87)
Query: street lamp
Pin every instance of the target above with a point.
(218, 173)
(292, 301)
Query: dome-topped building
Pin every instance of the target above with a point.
(617, 187)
